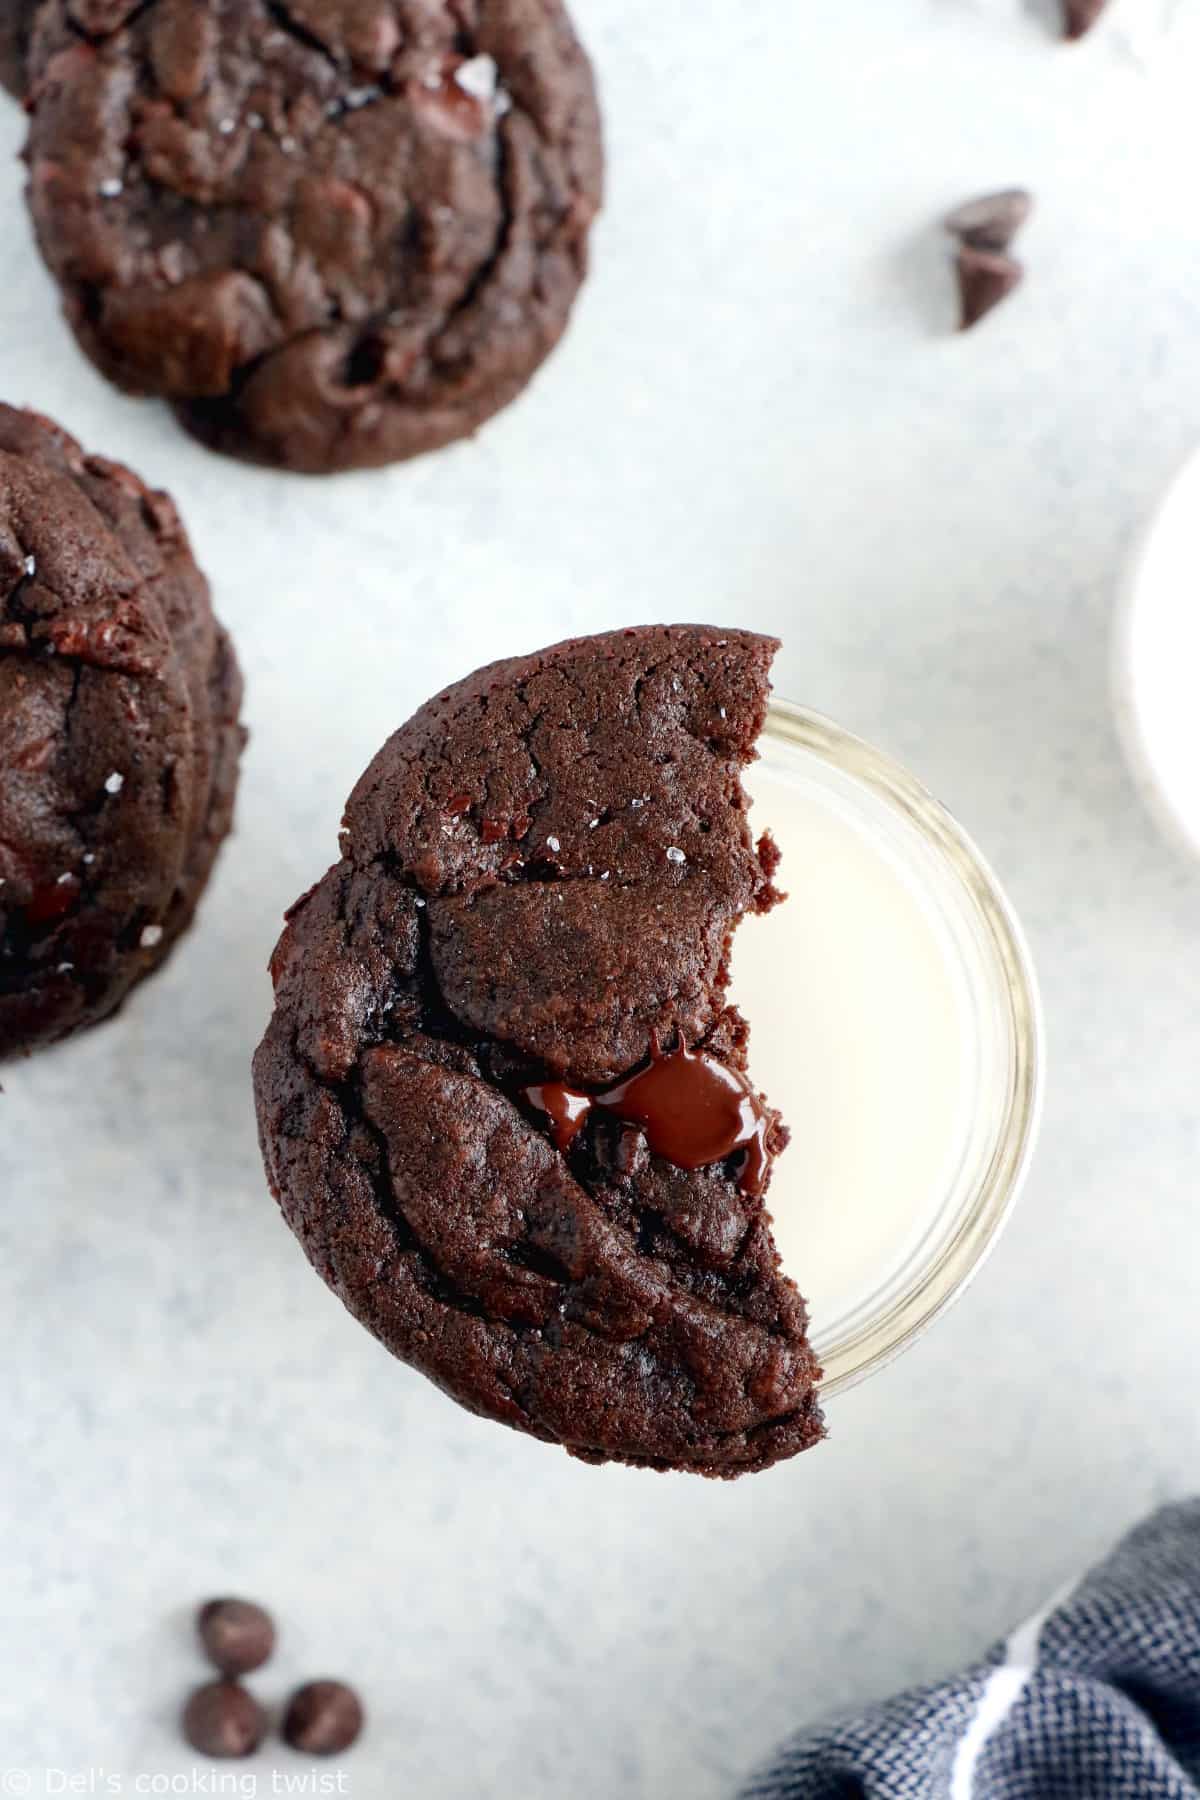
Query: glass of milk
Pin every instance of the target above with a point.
(895, 1022)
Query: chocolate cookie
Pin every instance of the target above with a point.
(502, 1101)
(336, 234)
(119, 739)
(16, 16)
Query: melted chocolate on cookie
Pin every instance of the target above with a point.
(692, 1109)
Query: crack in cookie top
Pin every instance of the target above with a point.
(540, 877)
(335, 232)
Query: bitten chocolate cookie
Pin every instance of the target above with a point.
(502, 1102)
(335, 232)
(16, 17)
(119, 735)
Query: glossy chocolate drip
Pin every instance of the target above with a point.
(566, 1108)
(692, 1109)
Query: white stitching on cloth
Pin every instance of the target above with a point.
(1003, 1688)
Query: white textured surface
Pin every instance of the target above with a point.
(759, 417)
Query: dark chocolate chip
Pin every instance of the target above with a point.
(323, 1718)
(221, 1719)
(1080, 15)
(54, 901)
(237, 1635)
(992, 221)
(985, 278)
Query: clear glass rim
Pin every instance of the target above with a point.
(880, 1340)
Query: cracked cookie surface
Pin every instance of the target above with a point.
(334, 234)
(119, 734)
(540, 875)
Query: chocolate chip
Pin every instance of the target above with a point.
(221, 1719)
(1080, 15)
(992, 221)
(323, 1718)
(237, 1635)
(54, 901)
(985, 278)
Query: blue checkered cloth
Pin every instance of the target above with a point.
(1097, 1698)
